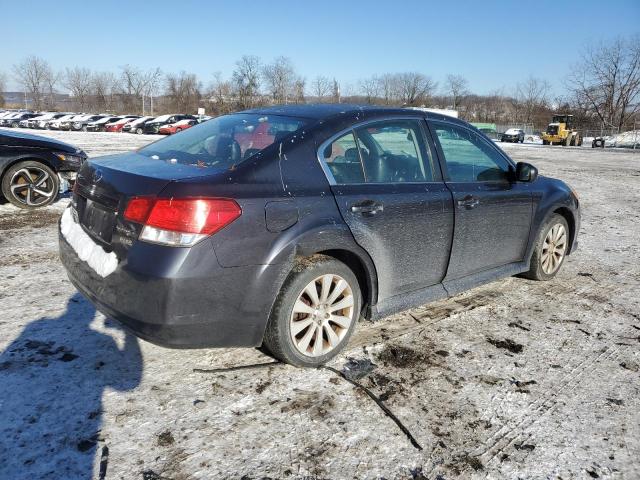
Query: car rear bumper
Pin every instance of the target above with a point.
(180, 298)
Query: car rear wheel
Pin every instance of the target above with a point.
(315, 312)
(550, 250)
(139, 131)
(30, 184)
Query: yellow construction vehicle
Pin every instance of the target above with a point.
(561, 132)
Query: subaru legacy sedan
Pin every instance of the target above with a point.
(284, 226)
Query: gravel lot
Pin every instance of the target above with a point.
(515, 379)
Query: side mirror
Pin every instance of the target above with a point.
(525, 172)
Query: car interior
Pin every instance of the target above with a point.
(388, 153)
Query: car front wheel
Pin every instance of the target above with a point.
(30, 184)
(315, 312)
(550, 250)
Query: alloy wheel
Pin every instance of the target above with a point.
(322, 315)
(32, 186)
(553, 249)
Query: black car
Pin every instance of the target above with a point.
(137, 125)
(513, 135)
(282, 226)
(30, 165)
(154, 125)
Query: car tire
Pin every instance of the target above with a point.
(178, 130)
(27, 173)
(14, 125)
(313, 319)
(85, 129)
(139, 131)
(549, 253)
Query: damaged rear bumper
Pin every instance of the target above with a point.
(180, 298)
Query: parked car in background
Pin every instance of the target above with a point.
(30, 122)
(82, 123)
(154, 125)
(42, 122)
(54, 124)
(14, 119)
(7, 115)
(79, 121)
(369, 212)
(31, 168)
(100, 124)
(117, 125)
(513, 135)
(137, 125)
(177, 127)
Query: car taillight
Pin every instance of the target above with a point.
(180, 222)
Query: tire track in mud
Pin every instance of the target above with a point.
(535, 411)
(511, 431)
(418, 319)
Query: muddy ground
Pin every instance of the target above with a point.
(515, 379)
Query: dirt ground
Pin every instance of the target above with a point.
(515, 379)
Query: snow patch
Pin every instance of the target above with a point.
(101, 262)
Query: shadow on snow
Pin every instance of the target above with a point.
(52, 378)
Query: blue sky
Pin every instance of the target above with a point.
(493, 44)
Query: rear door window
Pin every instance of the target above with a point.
(394, 151)
(343, 160)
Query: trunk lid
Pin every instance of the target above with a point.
(104, 186)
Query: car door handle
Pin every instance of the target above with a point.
(367, 208)
(468, 202)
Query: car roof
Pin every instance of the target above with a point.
(320, 111)
(331, 111)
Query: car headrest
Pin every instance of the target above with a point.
(351, 155)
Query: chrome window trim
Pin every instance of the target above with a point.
(327, 171)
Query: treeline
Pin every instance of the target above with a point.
(602, 89)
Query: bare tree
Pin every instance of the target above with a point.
(79, 83)
(279, 78)
(246, 80)
(321, 87)
(457, 87)
(104, 88)
(183, 92)
(151, 81)
(220, 94)
(38, 80)
(532, 98)
(136, 85)
(298, 90)
(415, 88)
(607, 78)
(3, 86)
(370, 88)
(336, 91)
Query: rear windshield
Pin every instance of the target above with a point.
(224, 141)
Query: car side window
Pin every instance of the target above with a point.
(343, 159)
(394, 151)
(469, 158)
